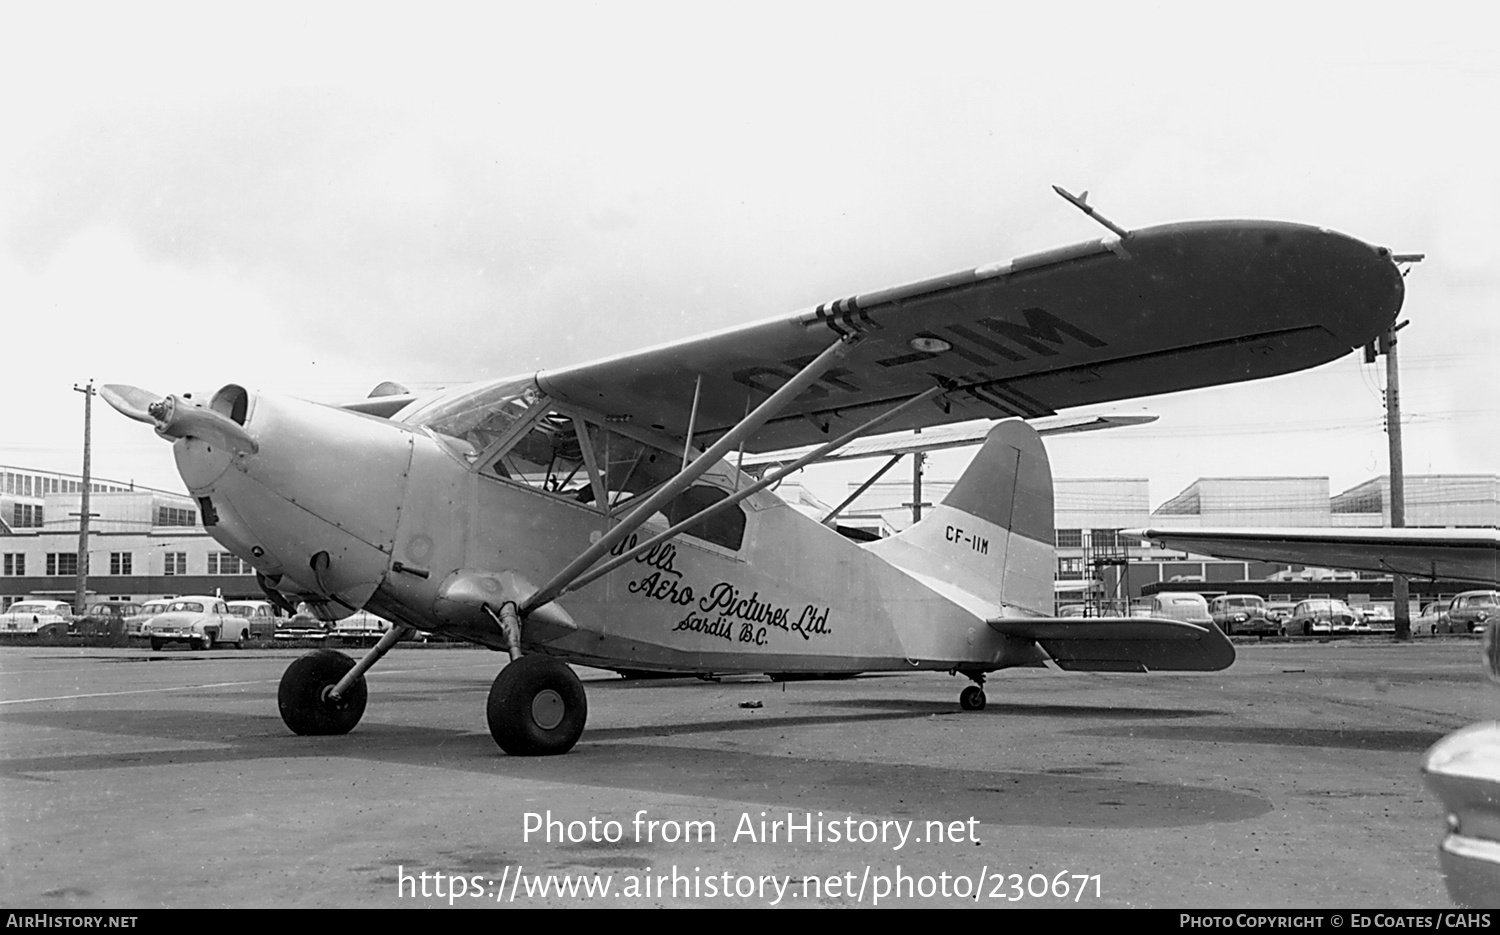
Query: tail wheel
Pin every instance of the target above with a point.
(971, 698)
(304, 699)
(537, 707)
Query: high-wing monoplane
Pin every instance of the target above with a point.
(595, 513)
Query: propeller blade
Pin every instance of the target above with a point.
(131, 401)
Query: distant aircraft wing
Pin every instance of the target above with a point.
(1163, 309)
(943, 438)
(1124, 644)
(1461, 554)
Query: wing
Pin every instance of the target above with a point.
(1459, 554)
(939, 439)
(1167, 308)
(1124, 644)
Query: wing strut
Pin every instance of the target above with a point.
(834, 513)
(739, 495)
(684, 478)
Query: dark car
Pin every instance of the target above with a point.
(1322, 615)
(1243, 613)
(1471, 611)
(108, 619)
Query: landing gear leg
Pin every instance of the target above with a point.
(972, 698)
(537, 707)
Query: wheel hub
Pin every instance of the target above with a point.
(547, 709)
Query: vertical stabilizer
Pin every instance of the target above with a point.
(992, 536)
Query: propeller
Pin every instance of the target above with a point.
(173, 417)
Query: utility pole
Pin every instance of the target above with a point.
(1400, 592)
(81, 586)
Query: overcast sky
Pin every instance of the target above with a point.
(313, 198)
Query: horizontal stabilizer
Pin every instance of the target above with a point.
(1123, 644)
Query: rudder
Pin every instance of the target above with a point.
(992, 535)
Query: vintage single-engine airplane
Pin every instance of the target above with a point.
(596, 514)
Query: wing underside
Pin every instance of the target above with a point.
(1166, 308)
(1123, 644)
(1457, 554)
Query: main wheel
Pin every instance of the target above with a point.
(971, 698)
(156, 645)
(537, 707)
(206, 641)
(303, 696)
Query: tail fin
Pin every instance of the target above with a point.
(992, 535)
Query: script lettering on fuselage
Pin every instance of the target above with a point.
(725, 611)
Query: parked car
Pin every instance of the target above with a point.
(1181, 605)
(202, 622)
(1281, 612)
(1243, 613)
(148, 610)
(303, 625)
(260, 615)
(1378, 619)
(1433, 615)
(42, 618)
(108, 618)
(1322, 615)
(361, 627)
(1464, 770)
(1471, 611)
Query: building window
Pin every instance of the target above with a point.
(120, 563)
(227, 563)
(15, 564)
(176, 563)
(1105, 538)
(1070, 538)
(175, 516)
(26, 516)
(62, 563)
(1070, 569)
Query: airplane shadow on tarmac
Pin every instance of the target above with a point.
(1078, 797)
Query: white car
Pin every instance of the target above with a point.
(200, 621)
(361, 627)
(42, 618)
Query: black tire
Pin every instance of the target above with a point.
(1228, 628)
(206, 641)
(537, 707)
(156, 645)
(303, 695)
(1307, 628)
(971, 698)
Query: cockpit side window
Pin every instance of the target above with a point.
(549, 456)
(588, 464)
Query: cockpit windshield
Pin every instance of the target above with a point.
(476, 416)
